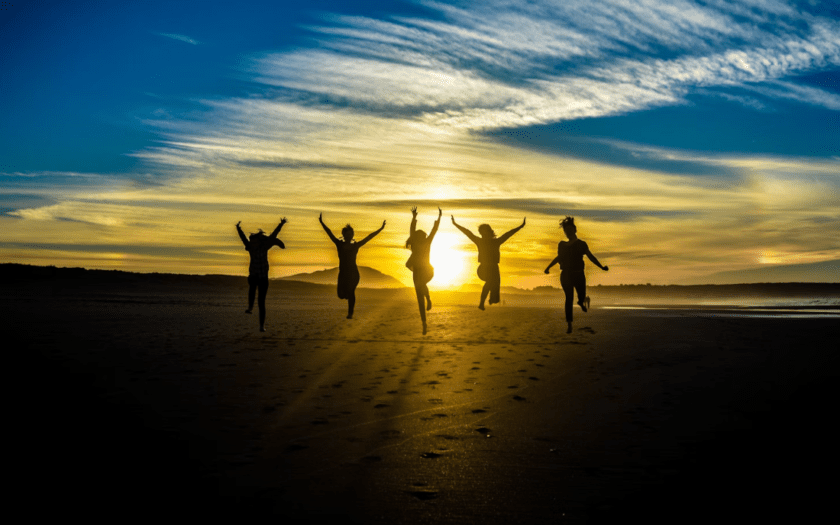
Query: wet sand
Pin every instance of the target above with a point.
(168, 401)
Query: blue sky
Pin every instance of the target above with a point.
(134, 133)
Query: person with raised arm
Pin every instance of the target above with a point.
(348, 272)
(419, 263)
(258, 244)
(570, 257)
(488, 258)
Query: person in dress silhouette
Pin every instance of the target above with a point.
(258, 244)
(348, 272)
(488, 258)
(419, 264)
(570, 257)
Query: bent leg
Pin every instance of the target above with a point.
(580, 287)
(484, 292)
(495, 283)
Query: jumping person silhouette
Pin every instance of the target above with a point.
(488, 258)
(570, 256)
(258, 245)
(419, 264)
(348, 272)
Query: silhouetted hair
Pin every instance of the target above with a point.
(418, 235)
(347, 232)
(568, 222)
(485, 228)
(259, 233)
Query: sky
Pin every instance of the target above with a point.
(687, 138)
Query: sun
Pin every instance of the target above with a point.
(447, 259)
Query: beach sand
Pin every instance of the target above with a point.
(167, 401)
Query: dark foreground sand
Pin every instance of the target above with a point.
(159, 402)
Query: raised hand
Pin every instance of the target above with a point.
(238, 223)
(383, 225)
(440, 213)
(414, 211)
(606, 268)
(283, 220)
(453, 219)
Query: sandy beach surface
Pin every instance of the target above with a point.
(167, 401)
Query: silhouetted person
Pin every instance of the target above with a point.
(488, 258)
(419, 264)
(258, 245)
(570, 256)
(348, 272)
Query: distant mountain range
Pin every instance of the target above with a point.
(826, 271)
(369, 278)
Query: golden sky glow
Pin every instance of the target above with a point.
(462, 112)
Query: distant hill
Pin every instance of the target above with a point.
(826, 271)
(369, 278)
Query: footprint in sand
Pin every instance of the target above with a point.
(483, 430)
(519, 398)
(534, 378)
(436, 401)
(381, 405)
(423, 495)
(479, 411)
(431, 455)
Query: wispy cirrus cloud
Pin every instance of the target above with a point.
(182, 38)
(506, 65)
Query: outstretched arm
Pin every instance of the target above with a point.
(555, 261)
(435, 227)
(465, 231)
(330, 233)
(413, 221)
(371, 236)
(242, 234)
(277, 229)
(509, 234)
(595, 261)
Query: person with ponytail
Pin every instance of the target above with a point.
(572, 278)
(419, 264)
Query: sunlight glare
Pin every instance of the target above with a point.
(447, 260)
